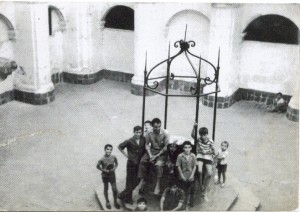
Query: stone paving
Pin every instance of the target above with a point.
(48, 153)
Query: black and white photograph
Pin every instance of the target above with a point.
(149, 106)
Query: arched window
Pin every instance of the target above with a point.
(56, 20)
(120, 17)
(272, 28)
(9, 32)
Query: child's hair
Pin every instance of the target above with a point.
(279, 93)
(107, 145)
(156, 120)
(186, 143)
(172, 145)
(203, 131)
(137, 128)
(225, 142)
(13, 65)
(147, 122)
(142, 199)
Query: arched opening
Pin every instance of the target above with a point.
(272, 28)
(197, 30)
(120, 17)
(7, 34)
(56, 20)
(118, 39)
(57, 25)
(270, 55)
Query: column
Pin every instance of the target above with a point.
(32, 53)
(224, 34)
(293, 107)
(149, 37)
(78, 47)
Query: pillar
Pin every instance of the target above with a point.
(149, 37)
(78, 46)
(32, 53)
(224, 34)
(293, 107)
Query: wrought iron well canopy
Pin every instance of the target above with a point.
(195, 91)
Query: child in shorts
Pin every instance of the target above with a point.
(107, 164)
(205, 155)
(186, 164)
(222, 156)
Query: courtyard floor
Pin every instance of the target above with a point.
(48, 154)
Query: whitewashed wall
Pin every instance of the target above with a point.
(6, 45)
(268, 66)
(56, 45)
(118, 50)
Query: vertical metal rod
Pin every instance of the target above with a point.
(167, 89)
(185, 32)
(216, 97)
(197, 99)
(144, 94)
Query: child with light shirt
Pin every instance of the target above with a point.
(222, 156)
(186, 164)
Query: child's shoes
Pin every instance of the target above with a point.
(205, 198)
(117, 206)
(108, 206)
(222, 185)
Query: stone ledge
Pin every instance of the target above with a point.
(258, 96)
(33, 98)
(292, 114)
(242, 94)
(87, 79)
(57, 78)
(7, 97)
(178, 85)
(223, 102)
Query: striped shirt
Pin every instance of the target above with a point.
(205, 150)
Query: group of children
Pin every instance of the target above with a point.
(182, 162)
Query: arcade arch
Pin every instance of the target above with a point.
(118, 39)
(57, 25)
(197, 29)
(7, 35)
(271, 38)
(272, 28)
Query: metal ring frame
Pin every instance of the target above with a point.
(194, 91)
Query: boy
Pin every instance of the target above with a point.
(279, 104)
(135, 149)
(172, 198)
(222, 162)
(147, 127)
(186, 164)
(156, 148)
(108, 164)
(141, 204)
(205, 154)
(173, 152)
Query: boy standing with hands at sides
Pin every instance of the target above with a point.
(107, 164)
(135, 149)
(222, 162)
(205, 155)
(186, 164)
